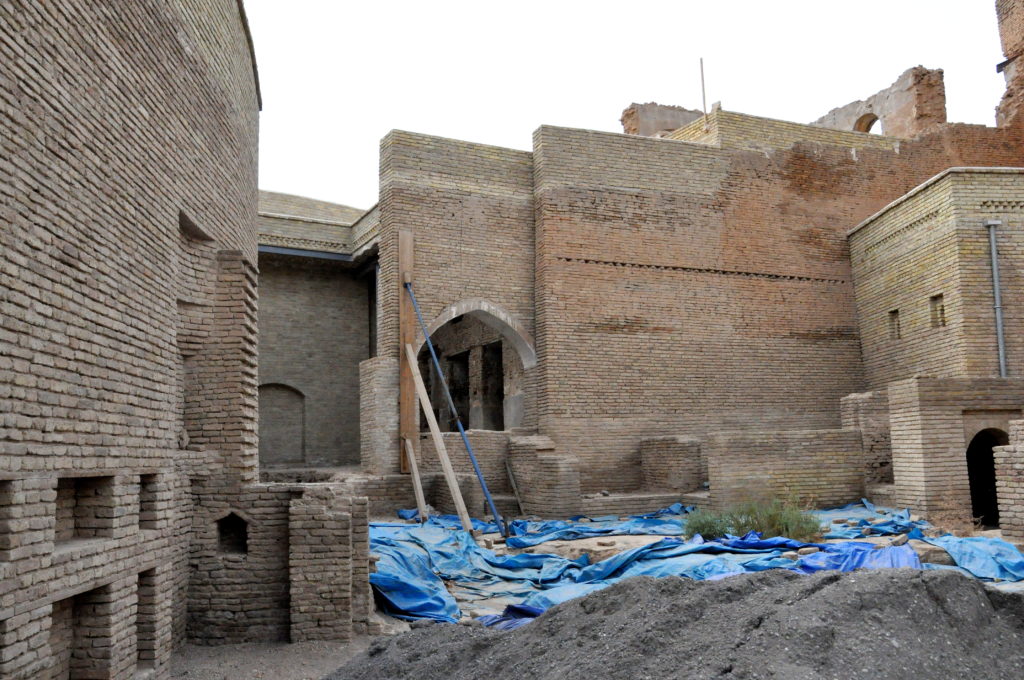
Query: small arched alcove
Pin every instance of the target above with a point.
(981, 473)
(232, 535)
(282, 414)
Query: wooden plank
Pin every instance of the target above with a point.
(435, 433)
(417, 488)
(512, 481)
(406, 336)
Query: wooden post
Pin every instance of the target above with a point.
(435, 433)
(417, 488)
(406, 336)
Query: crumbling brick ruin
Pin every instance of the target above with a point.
(707, 309)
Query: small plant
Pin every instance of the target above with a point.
(770, 518)
(708, 524)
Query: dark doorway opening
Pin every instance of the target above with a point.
(981, 472)
(492, 388)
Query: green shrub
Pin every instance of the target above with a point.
(771, 518)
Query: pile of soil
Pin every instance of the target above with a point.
(895, 623)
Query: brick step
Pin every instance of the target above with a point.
(699, 499)
(630, 503)
(882, 494)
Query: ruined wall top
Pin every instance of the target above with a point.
(908, 107)
(1011, 34)
(655, 120)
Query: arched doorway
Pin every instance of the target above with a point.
(981, 472)
(484, 355)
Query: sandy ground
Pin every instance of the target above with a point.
(273, 661)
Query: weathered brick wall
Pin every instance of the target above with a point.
(1011, 33)
(915, 103)
(868, 412)
(470, 208)
(672, 464)
(313, 333)
(818, 467)
(731, 130)
(672, 301)
(120, 118)
(319, 570)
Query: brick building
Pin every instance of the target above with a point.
(131, 515)
(765, 306)
(716, 307)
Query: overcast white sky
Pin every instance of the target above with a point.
(337, 75)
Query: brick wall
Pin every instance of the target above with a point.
(673, 301)
(934, 242)
(818, 467)
(933, 421)
(314, 332)
(1009, 463)
(672, 464)
(868, 412)
(490, 448)
(378, 416)
(901, 259)
(548, 480)
(128, 196)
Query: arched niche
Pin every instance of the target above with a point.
(282, 430)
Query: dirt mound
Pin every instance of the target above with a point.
(896, 623)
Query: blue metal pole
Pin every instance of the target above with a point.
(458, 419)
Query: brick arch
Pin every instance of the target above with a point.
(491, 315)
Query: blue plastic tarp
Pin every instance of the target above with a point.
(982, 556)
(422, 567)
(875, 520)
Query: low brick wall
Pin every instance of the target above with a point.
(671, 464)
(821, 467)
(549, 482)
(1009, 463)
(489, 446)
(328, 566)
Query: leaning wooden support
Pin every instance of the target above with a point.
(435, 433)
(417, 487)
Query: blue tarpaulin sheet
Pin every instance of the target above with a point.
(982, 556)
(423, 567)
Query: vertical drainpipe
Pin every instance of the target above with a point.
(998, 306)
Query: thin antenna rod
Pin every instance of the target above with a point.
(703, 94)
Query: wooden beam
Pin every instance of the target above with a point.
(417, 488)
(435, 433)
(406, 336)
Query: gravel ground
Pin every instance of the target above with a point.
(884, 624)
(273, 661)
